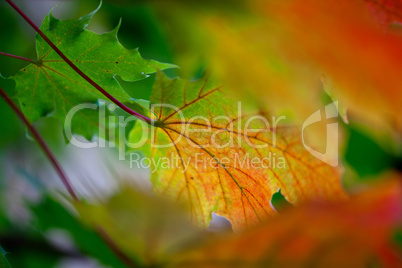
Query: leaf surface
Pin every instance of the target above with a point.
(51, 87)
(217, 158)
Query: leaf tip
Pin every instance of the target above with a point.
(117, 28)
(89, 16)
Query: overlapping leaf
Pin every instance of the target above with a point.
(357, 233)
(286, 51)
(215, 157)
(51, 87)
(148, 229)
(363, 61)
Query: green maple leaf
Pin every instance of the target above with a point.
(215, 157)
(51, 87)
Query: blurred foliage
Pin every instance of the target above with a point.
(366, 156)
(11, 129)
(30, 251)
(25, 248)
(348, 234)
(50, 214)
(19, 44)
(14, 41)
(3, 260)
(148, 228)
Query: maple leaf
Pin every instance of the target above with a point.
(51, 87)
(350, 234)
(217, 159)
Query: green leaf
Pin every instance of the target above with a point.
(51, 87)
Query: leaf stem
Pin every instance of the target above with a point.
(76, 69)
(42, 144)
(16, 57)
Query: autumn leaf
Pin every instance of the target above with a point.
(363, 62)
(217, 158)
(357, 233)
(50, 87)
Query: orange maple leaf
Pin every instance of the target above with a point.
(225, 161)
